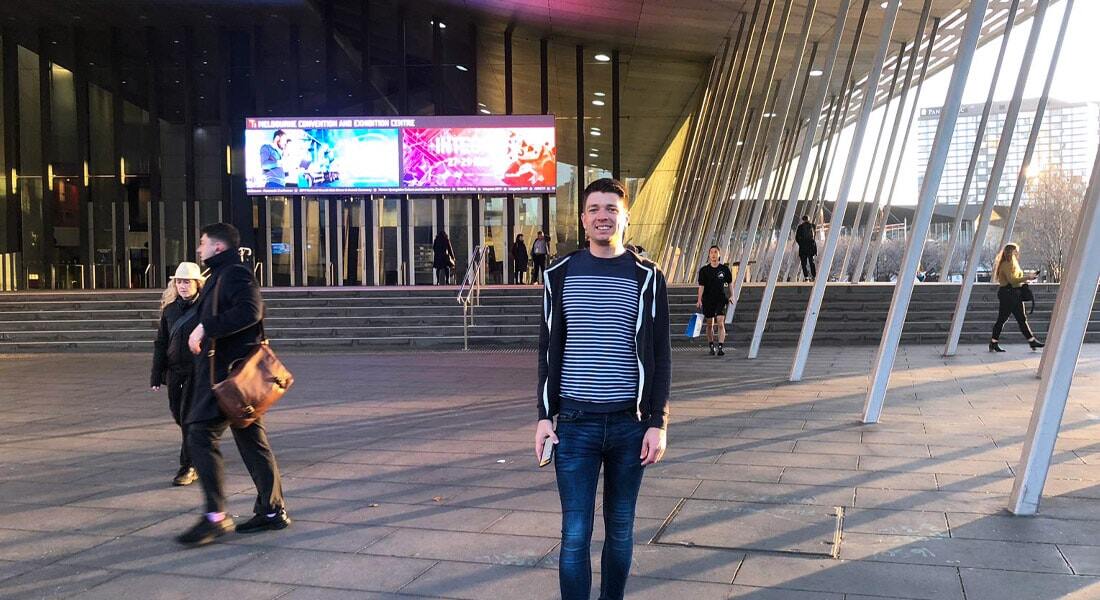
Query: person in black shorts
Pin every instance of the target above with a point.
(714, 286)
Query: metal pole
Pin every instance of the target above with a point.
(874, 161)
(800, 174)
(1076, 299)
(736, 192)
(903, 291)
(771, 153)
(885, 217)
(731, 158)
(1036, 125)
(798, 365)
(979, 142)
(872, 218)
(993, 187)
(700, 163)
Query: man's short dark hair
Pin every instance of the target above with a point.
(805, 218)
(278, 133)
(714, 247)
(223, 232)
(607, 185)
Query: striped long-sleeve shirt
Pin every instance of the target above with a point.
(600, 308)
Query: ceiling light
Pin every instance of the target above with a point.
(599, 94)
(442, 25)
(602, 57)
(593, 155)
(817, 73)
(486, 111)
(769, 115)
(597, 102)
(461, 68)
(595, 133)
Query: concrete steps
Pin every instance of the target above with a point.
(379, 318)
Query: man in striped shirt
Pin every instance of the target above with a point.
(605, 375)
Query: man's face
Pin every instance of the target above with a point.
(209, 248)
(605, 217)
(280, 142)
(714, 255)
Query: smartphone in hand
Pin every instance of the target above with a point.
(547, 453)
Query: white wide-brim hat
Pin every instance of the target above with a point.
(188, 270)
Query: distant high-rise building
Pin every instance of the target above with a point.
(1068, 140)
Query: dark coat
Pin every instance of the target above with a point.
(237, 328)
(173, 354)
(519, 256)
(444, 253)
(804, 237)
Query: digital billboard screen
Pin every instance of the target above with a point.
(412, 155)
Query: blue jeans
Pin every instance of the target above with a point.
(587, 441)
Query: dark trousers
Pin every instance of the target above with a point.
(1011, 305)
(179, 402)
(442, 275)
(809, 268)
(587, 441)
(203, 440)
(519, 270)
(539, 260)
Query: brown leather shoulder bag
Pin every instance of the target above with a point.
(254, 384)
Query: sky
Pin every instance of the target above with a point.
(1077, 79)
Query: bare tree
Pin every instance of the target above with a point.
(1046, 221)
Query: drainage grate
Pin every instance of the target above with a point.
(799, 529)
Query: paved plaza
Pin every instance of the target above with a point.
(412, 475)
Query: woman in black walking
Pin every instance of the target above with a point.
(173, 363)
(519, 260)
(1010, 277)
(444, 260)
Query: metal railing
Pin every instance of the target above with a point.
(148, 275)
(469, 294)
(258, 272)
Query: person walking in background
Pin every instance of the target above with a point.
(519, 260)
(1011, 278)
(604, 374)
(237, 327)
(805, 237)
(540, 249)
(173, 364)
(444, 259)
(714, 289)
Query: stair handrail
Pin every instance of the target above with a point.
(469, 294)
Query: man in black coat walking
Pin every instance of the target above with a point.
(807, 247)
(230, 335)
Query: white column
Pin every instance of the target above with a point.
(1076, 297)
(903, 291)
(826, 263)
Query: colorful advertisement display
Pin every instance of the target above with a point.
(410, 155)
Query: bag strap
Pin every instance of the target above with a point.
(213, 342)
(183, 319)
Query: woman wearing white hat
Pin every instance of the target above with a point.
(173, 363)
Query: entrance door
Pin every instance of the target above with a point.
(423, 233)
(318, 266)
(280, 217)
(351, 241)
(387, 215)
(493, 237)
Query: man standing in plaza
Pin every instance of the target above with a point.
(714, 289)
(237, 327)
(806, 238)
(604, 376)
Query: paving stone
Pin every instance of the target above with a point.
(53, 582)
(332, 569)
(1037, 558)
(1084, 560)
(459, 546)
(19, 545)
(175, 587)
(984, 584)
(164, 555)
(750, 526)
(858, 577)
(477, 582)
(778, 493)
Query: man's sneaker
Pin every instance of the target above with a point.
(185, 476)
(712, 349)
(721, 352)
(205, 532)
(265, 523)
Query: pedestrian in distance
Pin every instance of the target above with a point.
(173, 363)
(444, 258)
(1010, 279)
(805, 237)
(713, 298)
(230, 326)
(519, 259)
(540, 250)
(604, 377)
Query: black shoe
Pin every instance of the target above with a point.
(712, 349)
(721, 352)
(1035, 344)
(265, 523)
(185, 476)
(205, 532)
(995, 347)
